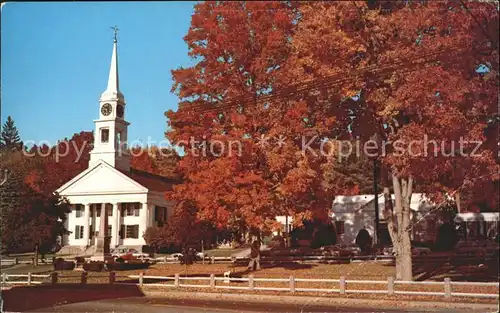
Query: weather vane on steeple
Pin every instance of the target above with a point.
(115, 29)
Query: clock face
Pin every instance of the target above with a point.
(119, 110)
(106, 109)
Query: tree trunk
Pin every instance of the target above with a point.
(457, 201)
(402, 193)
(401, 235)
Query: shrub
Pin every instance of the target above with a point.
(323, 235)
(447, 238)
(61, 265)
(128, 265)
(277, 242)
(364, 241)
(80, 260)
(315, 234)
(93, 266)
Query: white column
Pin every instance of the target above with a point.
(86, 228)
(151, 216)
(115, 225)
(143, 219)
(103, 225)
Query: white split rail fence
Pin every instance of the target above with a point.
(447, 285)
(290, 283)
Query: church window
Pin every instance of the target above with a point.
(97, 209)
(132, 231)
(118, 138)
(130, 209)
(104, 135)
(79, 210)
(160, 216)
(78, 232)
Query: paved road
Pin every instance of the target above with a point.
(157, 305)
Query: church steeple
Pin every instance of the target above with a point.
(113, 89)
(110, 136)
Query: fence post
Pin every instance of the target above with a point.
(112, 277)
(250, 282)
(84, 277)
(390, 285)
(342, 285)
(447, 287)
(141, 279)
(212, 259)
(16, 261)
(176, 282)
(29, 278)
(212, 281)
(4, 278)
(292, 284)
(53, 278)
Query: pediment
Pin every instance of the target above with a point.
(101, 179)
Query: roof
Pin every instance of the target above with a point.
(151, 181)
(477, 217)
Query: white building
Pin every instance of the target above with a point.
(133, 200)
(478, 226)
(353, 213)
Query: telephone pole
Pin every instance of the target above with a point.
(375, 192)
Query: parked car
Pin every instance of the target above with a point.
(198, 256)
(121, 252)
(176, 255)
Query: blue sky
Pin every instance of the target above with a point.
(55, 62)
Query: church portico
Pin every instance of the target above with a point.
(112, 204)
(127, 218)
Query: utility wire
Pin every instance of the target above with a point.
(401, 66)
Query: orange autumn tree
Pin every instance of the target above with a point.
(413, 67)
(256, 170)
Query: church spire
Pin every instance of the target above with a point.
(113, 89)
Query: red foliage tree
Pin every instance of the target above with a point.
(241, 48)
(413, 68)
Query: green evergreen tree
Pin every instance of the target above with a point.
(30, 221)
(13, 199)
(9, 137)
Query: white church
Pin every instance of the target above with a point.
(110, 194)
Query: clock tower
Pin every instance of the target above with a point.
(110, 135)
